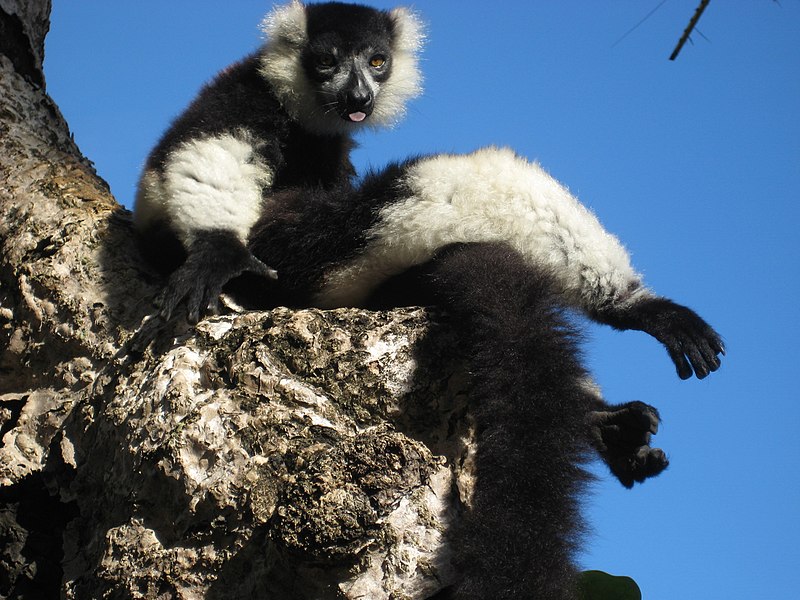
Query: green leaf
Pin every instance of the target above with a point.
(597, 585)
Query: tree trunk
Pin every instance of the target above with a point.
(282, 454)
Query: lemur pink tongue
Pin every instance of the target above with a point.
(357, 116)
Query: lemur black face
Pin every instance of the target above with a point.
(348, 83)
(347, 58)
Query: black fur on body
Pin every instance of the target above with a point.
(239, 99)
(310, 231)
(527, 397)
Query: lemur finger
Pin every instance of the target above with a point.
(166, 301)
(193, 304)
(675, 350)
(711, 348)
(635, 468)
(651, 462)
(696, 359)
(707, 342)
(254, 265)
(709, 355)
(211, 304)
(703, 356)
(682, 365)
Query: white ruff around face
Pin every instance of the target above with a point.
(490, 196)
(285, 28)
(210, 183)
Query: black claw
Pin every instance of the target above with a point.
(212, 307)
(255, 265)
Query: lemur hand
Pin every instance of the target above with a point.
(692, 344)
(211, 263)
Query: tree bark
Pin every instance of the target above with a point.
(282, 454)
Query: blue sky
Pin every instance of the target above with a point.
(694, 164)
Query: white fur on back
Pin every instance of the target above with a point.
(207, 183)
(490, 195)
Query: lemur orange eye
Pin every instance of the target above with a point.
(377, 61)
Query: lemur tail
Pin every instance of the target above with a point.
(519, 537)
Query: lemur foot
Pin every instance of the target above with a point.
(211, 263)
(621, 434)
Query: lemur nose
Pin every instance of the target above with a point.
(359, 99)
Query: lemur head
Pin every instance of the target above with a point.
(337, 67)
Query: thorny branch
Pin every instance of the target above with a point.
(689, 28)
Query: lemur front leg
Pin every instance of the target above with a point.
(200, 201)
(692, 344)
(213, 259)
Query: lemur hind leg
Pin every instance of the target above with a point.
(621, 434)
(530, 405)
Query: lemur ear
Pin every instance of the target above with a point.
(409, 31)
(286, 23)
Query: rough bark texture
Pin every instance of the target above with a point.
(287, 454)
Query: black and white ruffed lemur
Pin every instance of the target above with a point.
(255, 178)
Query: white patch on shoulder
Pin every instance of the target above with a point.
(491, 195)
(208, 183)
